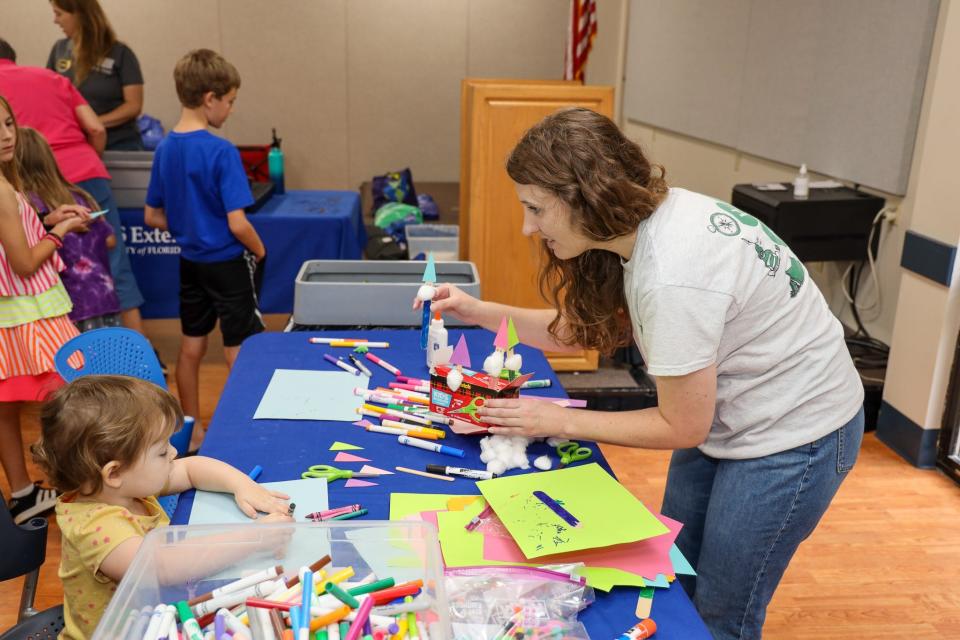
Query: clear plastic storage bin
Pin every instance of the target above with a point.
(442, 239)
(180, 562)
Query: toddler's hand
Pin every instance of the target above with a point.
(253, 498)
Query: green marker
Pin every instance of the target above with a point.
(190, 626)
(334, 589)
(411, 620)
(386, 583)
(321, 635)
(344, 629)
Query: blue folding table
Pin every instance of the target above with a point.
(285, 448)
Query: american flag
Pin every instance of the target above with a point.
(583, 29)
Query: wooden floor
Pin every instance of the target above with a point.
(884, 563)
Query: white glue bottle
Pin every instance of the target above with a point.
(438, 351)
(801, 184)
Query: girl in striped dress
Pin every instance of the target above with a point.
(33, 315)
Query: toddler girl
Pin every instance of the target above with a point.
(105, 443)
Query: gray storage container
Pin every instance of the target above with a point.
(443, 240)
(370, 292)
(130, 175)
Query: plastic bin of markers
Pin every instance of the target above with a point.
(181, 562)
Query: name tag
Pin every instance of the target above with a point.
(106, 66)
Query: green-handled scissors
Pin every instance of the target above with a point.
(330, 473)
(572, 452)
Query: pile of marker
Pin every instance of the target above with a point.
(314, 605)
(403, 410)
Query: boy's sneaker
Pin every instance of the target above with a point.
(38, 501)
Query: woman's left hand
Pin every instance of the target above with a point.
(524, 417)
(65, 211)
(253, 498)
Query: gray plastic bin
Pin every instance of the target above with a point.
(370, 292)
(130, 176)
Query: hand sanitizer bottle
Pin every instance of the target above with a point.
(801, 184)
(275, 165)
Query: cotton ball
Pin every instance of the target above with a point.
(518, 459)
(426, 292)
(543, 463)
(496, 467)
(486, 456)
(454, 379)
(485, 444)
(514, 362)
(493, 363)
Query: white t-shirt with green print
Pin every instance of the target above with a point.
(708, 284)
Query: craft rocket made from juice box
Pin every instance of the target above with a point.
(458, 392)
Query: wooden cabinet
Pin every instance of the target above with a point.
(494, 114)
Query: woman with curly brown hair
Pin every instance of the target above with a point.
(757, 394)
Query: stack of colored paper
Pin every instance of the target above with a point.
(616, 537)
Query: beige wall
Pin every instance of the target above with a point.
(354, 87)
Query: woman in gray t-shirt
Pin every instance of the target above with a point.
(105, 71)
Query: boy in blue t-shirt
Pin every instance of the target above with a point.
(198, 191)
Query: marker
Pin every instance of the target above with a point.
(340, 363)
(255, 472)
(537, 384)
(383, 363)
(473, 474)
(329, 340)
(477, 519)
(96, 214)
(359, 365)
(556, 508)
(190, 627)
(290, 508)
(432, 476)
(358, 343)
(431, 446)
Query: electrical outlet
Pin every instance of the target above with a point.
(891, 215)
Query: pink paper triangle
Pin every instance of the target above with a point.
(461, 355)
(353, 482)
(500, 341)
(368, 469)
(349, 457)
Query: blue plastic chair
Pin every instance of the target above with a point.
(121, 352)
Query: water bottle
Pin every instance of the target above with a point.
(275, 164)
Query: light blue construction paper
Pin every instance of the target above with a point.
(659, 582)
(220, 508)
(680, 564)
(430, 272)
(295, 394)
(304, 547)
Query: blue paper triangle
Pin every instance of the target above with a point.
(430, 273)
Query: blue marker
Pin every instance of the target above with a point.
(431, 446)
(255, 472)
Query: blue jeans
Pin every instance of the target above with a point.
(123, 279)
(744, 519)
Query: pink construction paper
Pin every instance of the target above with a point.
(646, 557)
(353, 482)
(368, 469)
(343, 456)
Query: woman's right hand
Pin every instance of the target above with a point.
(451, 299)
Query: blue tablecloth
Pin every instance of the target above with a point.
(295, 227)
(284, 448)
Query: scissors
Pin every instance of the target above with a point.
(330, 473)
(572, 452)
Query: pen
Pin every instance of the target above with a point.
(359, 365)
(340, 363)
(290, 508)
(431, 446)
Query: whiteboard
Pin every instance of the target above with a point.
(835, 84)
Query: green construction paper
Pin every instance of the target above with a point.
(605, 579)
(590, 494)
(408, 504)
(343, 446)
(512, 339)
(462, 548)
